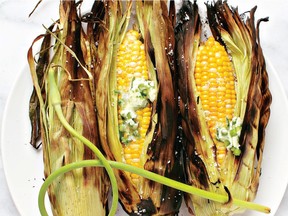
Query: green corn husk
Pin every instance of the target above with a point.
(156, 28)
(239, 175)
(82, 191)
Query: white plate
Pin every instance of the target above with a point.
(24, 168)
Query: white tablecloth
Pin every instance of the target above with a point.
(18, 31)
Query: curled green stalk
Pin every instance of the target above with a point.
(149, 175)
(55, 100)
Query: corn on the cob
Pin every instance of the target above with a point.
(223, 115)
(140, 130)
(83, 191)
(215, 82)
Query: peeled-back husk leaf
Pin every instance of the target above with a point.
(162, 151)
(237, 175)
(106, 123)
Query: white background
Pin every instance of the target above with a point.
(18, 31)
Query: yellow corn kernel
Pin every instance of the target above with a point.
(215, 83)
(131, 63)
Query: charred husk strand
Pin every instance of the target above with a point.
(87, 188)
(221, 157)
(34, 106)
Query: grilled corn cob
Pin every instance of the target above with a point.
(83, 191)
(224, 102)
(138, 129)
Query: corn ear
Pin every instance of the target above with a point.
(137, 194)
(82, 191)
(237, 173)
(253, 87)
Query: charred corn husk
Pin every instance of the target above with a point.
(82, 191)
(138, 112)
(224, 102)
